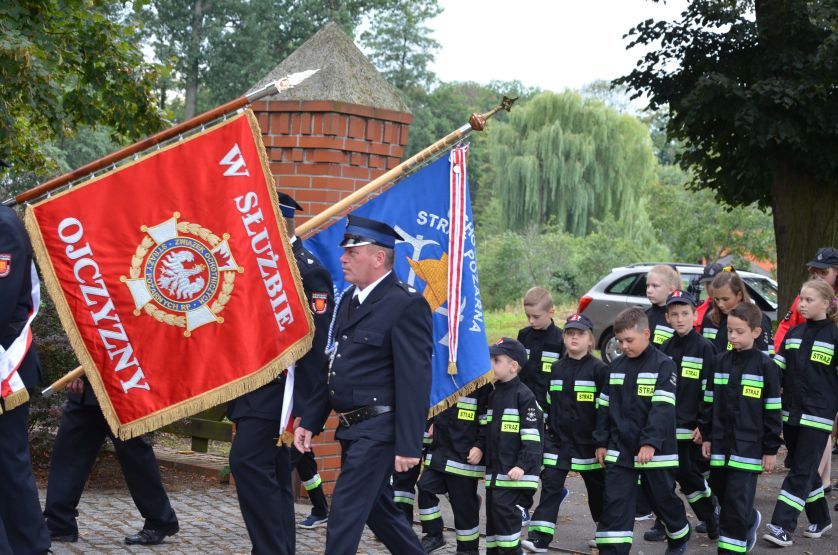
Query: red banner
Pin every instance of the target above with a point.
(174, 277)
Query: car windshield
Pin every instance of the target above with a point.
(765, 288)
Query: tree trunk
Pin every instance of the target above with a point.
(194, 63)
(805, 219)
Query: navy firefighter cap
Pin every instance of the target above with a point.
(680, 297)
(825, 258)
(511, 348)
(579, 322)
(364, 231)
(287, 205)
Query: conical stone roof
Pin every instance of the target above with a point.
(345, 73)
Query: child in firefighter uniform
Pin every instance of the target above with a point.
(453, 465)
(575, 384)
(513, 448)
(661, 281)
(810, 400)
(740, 426)
(635, 436)
(693, 356)
(543, 341)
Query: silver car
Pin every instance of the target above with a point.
(626, 286)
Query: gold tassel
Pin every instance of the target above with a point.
(452, 368)
(286, 439)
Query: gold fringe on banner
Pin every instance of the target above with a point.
(452, 399)
(286, 439)
(206, 400)
(14, 400)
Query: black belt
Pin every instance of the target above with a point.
(364, 413)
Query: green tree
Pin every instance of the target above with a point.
(218, 49)
(400, 44)
(65, 64)
(750, 87)
(565, 161)
(697, 227)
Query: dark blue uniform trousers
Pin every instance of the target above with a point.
(363, 495)
(22, 529)
(80, 437)
(263, 485)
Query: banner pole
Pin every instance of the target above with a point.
(274, 87)
(477, 122)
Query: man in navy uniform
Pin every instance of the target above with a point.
(81, 433)
(261, 468)
(22, 528)
(379, 384)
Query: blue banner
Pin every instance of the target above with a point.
(418, 207)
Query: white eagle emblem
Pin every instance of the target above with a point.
(177, 279)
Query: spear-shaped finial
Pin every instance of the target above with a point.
(478, 121)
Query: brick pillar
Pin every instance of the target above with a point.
(320, 152)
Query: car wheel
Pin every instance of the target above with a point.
(608, 346)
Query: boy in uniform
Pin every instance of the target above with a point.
(453, 466)
(635, 435)
(740, 427)
(543, 341)
(693, 357)
(513, 448)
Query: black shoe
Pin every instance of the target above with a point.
(700, 528)
(777, 536)
(656, 533)
(432, 543)
(147, 536)
(712, 527)
(64, 538)
(679, 549)
(535, 545)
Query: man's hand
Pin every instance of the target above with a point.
(645, 454)
(515, 473)
(705, 449)
(697, 437)
(76, 386)
(302, 440)
(403, 464)
(768, 462)
(600, 455)
(474, 455)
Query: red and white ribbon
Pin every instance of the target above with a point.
(456, 240)
(12, 358)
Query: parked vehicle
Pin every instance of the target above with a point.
(626, 286)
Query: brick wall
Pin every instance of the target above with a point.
(320, 152)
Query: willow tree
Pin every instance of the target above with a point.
(566, 161)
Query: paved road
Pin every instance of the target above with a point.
(211, 523)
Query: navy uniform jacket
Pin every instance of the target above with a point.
(810, 382)
(382, 356)
(544, 347)
(575, 386)
(456, 430)
(16, 291)
(636, 408)
(741, 414)
(266, 402)
(693, 356)
(717, 334)
(661, 331)
(513, 437)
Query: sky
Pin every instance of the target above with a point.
(550, 44)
